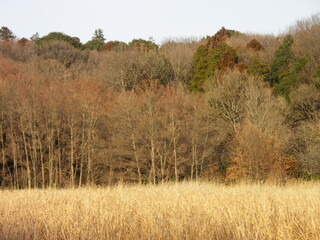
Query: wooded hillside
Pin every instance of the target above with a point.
(231, 106)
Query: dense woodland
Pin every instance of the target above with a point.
(231, 106)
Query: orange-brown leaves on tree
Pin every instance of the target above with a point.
(283, 167)
(235, 171)
(116, 46)
(87, 93)
(256, 156)
(107, 47)
(251, 154)
(255, 45)
(219, 37)
(227, 60)
(22, 41)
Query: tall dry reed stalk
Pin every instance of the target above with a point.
(182, 211)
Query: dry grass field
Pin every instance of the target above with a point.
(182, 211)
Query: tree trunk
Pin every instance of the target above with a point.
(42, 163)
(194, 166)
(3, 155)
(174, 139)
(152, 155)
(71, 154)
(134, 147)
(26, 155)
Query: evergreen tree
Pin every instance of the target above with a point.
(58, 36)
(141, 44)
(6, 34)
(285, 68)
(202, 68)
(98, 35)
(282, 60)
(259, 68)
(207, 61)
(35, 37)
(215, 56)
(94, 44)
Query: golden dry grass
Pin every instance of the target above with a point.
(183, 211)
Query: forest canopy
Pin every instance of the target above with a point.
(229, 107)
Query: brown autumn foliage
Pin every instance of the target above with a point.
(304, 118)
(254, 118)
(220, 36)
(257, 156)
(72, 118)
(255, 45)
(18, 52)
(228, 61)
(305, 105)
(22, 41)
(306, 33)
(239, 42)
(180, 56)
(307, 146)
(106, 47)
(62, 52)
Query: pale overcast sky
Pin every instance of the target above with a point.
(125, 20)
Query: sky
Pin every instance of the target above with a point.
(124, 20)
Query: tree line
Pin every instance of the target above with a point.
(228, 107)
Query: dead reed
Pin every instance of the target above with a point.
(182, 211)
